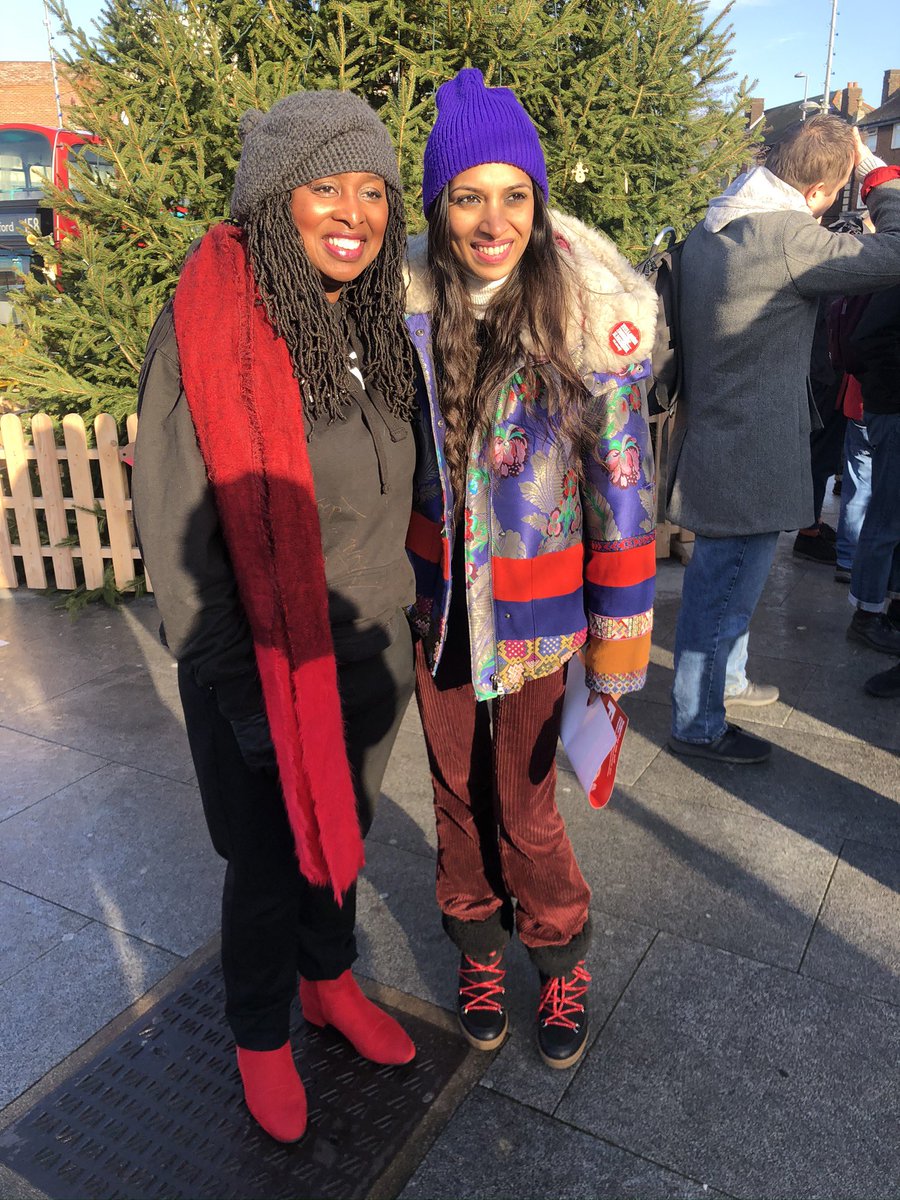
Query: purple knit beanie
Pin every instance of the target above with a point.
(477, 124)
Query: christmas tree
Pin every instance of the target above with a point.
(630, 99)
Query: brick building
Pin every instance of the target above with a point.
(880, 128)
(26, 93)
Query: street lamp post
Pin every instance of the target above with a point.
(803, 75)
(832, 33)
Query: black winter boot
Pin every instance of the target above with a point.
(562, 1017)
(479, 1001)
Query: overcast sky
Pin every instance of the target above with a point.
(772, 40)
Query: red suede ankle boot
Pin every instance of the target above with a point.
(274, 1092)
(370, 1031)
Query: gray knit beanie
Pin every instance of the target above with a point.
(306, 136)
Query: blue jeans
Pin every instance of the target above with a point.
(722, 586)
(856, 488)
(876, 565)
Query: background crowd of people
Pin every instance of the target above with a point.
(756, 430)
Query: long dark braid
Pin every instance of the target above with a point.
(291, 290)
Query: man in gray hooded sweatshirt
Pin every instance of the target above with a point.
(751, 276)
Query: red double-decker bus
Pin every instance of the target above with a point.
(30, 156)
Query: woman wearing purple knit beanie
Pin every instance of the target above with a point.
(531, 537)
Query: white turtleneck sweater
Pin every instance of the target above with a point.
(482, 292)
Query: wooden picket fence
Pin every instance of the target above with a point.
(70, 505)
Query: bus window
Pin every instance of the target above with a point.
(88, 159)
(26, 163)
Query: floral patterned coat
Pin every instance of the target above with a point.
(550, 563)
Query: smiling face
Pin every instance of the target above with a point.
(490, 213)
(342, 220)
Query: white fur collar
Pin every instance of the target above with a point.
(613, 311)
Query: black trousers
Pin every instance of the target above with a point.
(826, 445)
(276, 925)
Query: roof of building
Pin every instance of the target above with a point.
(778, 119)
(886, 115)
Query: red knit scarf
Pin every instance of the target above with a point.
(246, 407)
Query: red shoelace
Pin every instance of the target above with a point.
(481, 993)
(560, 997)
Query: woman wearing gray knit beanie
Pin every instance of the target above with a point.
(272, 491)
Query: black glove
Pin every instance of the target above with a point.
(255, 743)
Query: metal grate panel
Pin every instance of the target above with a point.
(159, 1112)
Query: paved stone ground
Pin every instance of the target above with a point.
(746, 1032)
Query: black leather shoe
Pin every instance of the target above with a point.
(734, 746)
(562, 1018)
(815, 548)
(875, 630)
(828, 532)
(885, 686)
(479, 1001)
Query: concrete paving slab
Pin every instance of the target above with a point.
(31, 768)
(405, 815)
(29, 927)
(494, 1147)
(34, 672)
(790, 678)
(27, 616)
(791, 576)
(819, 589)
(812, 784)
(879, 824)
(732, 880)
(759, 1082)
(665, 611)
(834, 704)
(517, 1069)
(664, 628)
(48, 1009)
(789, 579)
(808, 632)
(669, 580)
(128, 715)
(126, 848)
(856, 941)
(401, 942)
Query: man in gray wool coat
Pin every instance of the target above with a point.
(752, 273)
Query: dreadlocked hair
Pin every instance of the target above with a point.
(315, 330)
(476, 358)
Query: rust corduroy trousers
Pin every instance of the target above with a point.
(502, 844)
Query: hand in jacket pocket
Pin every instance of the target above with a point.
(255, 743)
